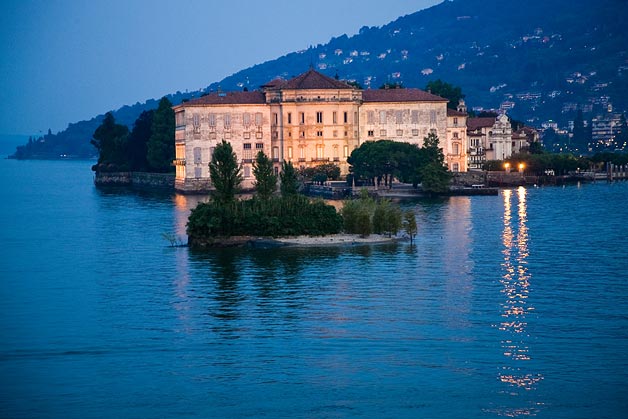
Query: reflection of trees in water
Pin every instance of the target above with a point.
(246, 283)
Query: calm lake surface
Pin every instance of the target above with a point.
(506, 306)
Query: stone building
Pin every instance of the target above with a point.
(490, 138)
(308, 120)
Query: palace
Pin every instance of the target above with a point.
(309, 120)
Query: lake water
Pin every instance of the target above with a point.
(506, 306)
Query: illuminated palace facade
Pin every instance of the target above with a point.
(309, 120)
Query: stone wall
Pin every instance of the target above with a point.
(135, 179)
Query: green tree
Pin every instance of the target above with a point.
(447, 91)
(409, 224)
(265, 178)
(224, 172)
(160, 148)
(579, 140)
(110, 140)
(138, 141)
(288, 178)
(435, 177)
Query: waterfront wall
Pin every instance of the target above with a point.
(135, 179)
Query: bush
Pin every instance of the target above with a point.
(274, 217)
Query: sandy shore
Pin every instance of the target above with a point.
(335, 239)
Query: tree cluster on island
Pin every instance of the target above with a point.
(268, 214)
(148, 147)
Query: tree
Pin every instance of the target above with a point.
(289, 184)
(138, 141)
(409, 224)
(434, 175)
(160, 147)
(536, 147)
(110, 141)
(621, 139)
(265, 178)
(447, 91)
(224, 172)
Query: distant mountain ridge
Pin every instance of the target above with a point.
(538, 60)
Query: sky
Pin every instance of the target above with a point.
(65, 61)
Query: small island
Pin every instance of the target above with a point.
(287, 218)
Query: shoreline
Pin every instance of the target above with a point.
(335, 240)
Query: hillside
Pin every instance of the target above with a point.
(539, 59)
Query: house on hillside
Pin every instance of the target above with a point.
(308, 120)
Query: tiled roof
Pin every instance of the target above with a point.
(453, 112)
(228, 98)
(476, 123)
(312, 79)
(400, 95)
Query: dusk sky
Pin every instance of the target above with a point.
(65, 61)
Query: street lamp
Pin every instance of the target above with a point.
(521, 167)
(507, 167)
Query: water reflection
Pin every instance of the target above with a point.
(516, 306)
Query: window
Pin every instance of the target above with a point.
(370, 133)
(334, 117)
(302, 153)
(346, 151)
(370, 117)
(320, 151)
(301, 134)
(319, 133)
(246, 119)
(415, 132)
(455, 167)
(455, 135)
(335, 133)
(398, 117)
(335, 151)
(246, 135)
(212, 135)
(212, 119)
(247, 171)
(432, 117)
(197, 155)
(196, 122)
(198, 172)
(415, 116)
(259, 146)
(319, 117)
(301, 118)
(290, 153)
(247, 153)
(211, 152)
(227, 135)
(275, 152)
(399, 133)
(355, 117)
(455, 149)
(289, 118)
(346, 117)
(382, 117)
(455, 122)
(347, 133)
(258, 119)
(275, 118)
(382, 132)
(227, 120)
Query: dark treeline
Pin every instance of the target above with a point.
(148, 147)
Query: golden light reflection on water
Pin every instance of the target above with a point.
(516, 306)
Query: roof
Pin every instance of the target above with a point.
(477, 123)
(311, 79)
(228, 98)
(400, 95)
(454, 112)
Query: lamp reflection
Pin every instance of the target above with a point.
(516, 306)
